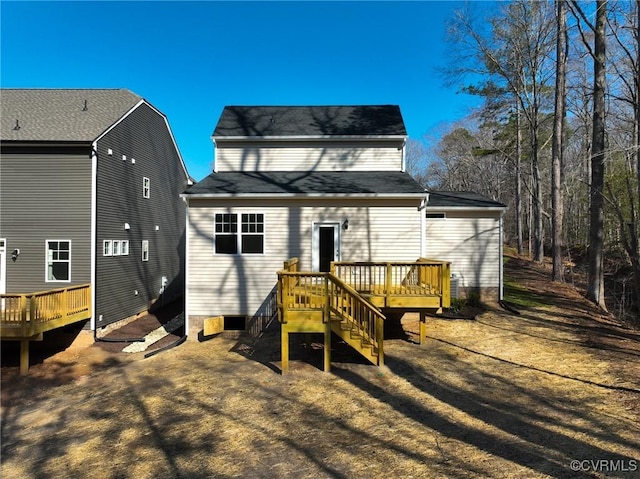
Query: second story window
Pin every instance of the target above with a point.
(145, 250)
(146, 187)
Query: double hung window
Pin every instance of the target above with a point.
(58, 260)
(231, 239)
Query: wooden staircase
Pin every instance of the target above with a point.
(356, 321)
(348, 302)
(310, 302)
(349, 331)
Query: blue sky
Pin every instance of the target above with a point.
(190, 59)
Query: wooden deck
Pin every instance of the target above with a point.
(350, 299)
(25, 317)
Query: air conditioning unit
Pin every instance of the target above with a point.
(454, 286)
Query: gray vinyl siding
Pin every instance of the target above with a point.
(471, 242)
(324, 155)
(45, 197)
(238, 285)
(125, 285)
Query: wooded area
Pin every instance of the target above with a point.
(556, 137)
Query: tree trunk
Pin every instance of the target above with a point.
(519, 212)
(636, 229)
(538, 231)
(557, 200)
(595, 286)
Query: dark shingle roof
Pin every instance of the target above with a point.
(461, 199)
(305, 183)
(301, 121)
(60, 114)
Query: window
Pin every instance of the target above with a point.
(58, 254)
(250, 238)
(252, 233)
(115, 248)
(436, 216)
(145, 250)
(106, 248)
(146, 187)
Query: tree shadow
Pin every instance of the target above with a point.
(532, 438)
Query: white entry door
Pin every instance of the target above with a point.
(325, 245)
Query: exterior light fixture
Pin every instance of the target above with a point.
(127, 226)
(345, 224)
(15, 254)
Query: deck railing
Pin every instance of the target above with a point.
(417, 278)
(25, 315)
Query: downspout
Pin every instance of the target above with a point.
(501, 259)
(423, 226)
(404, 152)
(186, 268)
(94, 231)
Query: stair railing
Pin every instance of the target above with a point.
(348, 305)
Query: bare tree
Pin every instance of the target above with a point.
(595, 282)
(557, 204)
(416, 159)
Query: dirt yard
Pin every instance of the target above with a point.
(551, 392)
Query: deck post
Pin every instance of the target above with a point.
(327, 347)
(423, 326)
(284, 339)
(380, 339)
(23, 315)
(389, 279)
(327, 325)
(24, 356)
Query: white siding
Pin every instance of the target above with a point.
(315, 156)
(471, 242)
(230, 285)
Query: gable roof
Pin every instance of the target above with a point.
(314, 183)
(74, 115)
(309, 121)
(461, 199)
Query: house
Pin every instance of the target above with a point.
(319, 183)
(466, 229)
(90, 183)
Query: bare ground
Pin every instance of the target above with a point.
(501, 395)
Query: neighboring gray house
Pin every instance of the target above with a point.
(465, 229)
(90, 182)
(320, 183)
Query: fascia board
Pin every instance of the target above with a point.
(221, 139)
(442, 209)
(52, 143)
(298, 196)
